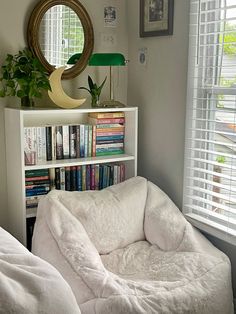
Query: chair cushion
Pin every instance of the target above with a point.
(113, 217)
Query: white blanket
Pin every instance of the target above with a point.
(163, 266)
(29, 285)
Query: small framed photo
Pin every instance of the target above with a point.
(156, 17)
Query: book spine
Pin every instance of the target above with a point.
(90, 140)
(83, 177)
(72, 134)
(53, 142)
(122, 172)
(82, 140)
(110, 145)
(106, 120)
(109, 138)
(110, 126)
(34, 193)
(67, 178)
(73, 178)
(107, 153)
(100, 176)
(94, 135)
(65, 141)
(36, 172)
(37, 182)
(41, 144)
(77, 141)
(79, 178)
(59, 142)
(30, 153)
(97, 177)
(88, 177)
(57, 178)
(37, 186)
(92, 187)
(49, 142)
(52, 178)
(110, 133)
(86, 140)
(37, 178)
(115, 179)
(109, 142)
(99, 115)
(62, 179)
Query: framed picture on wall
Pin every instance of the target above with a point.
(156, 17)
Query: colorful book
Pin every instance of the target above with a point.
(77, 141)
(66, 141)
(106, 120)
(59, 142)
(62, 179)
(73, 178)
(72, 133)
(100, 115)
(57, 178)
(41, 144)
(30, 146)
(79, 178)
(36, 173)
(67, 179)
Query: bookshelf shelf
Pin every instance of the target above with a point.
(81, 161)
(17, 119)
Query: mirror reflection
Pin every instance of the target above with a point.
(61, 35)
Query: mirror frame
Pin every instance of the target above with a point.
(33, 35)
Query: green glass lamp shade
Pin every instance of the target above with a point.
(101, 59)
(107, 59)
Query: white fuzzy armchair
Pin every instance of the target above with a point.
(128, 249)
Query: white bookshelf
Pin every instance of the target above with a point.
(17, 119)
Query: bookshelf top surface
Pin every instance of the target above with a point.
(37, 110)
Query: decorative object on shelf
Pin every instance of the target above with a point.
(23, 76)
(94, 90)
(156, 18)
(57, 94)
(105, 59)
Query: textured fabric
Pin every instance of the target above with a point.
(181, 274)
(117, 205)
(29, 285)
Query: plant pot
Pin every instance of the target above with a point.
(95, 101)
(27, 102)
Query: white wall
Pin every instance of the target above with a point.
(159, 89)
(14, 16)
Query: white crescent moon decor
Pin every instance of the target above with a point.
(57, 94)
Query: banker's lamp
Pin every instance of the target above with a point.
(105, 59)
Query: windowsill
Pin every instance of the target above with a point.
(212, 228)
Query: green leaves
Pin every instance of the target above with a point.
(93, 89)
(23, 75)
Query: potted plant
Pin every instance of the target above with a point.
(94, 91)
(23, 76)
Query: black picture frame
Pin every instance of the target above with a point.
(156, 18)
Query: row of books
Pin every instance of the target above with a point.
(102, 135)
(74, 178)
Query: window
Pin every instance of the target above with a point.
(61, 35)
(210, 146)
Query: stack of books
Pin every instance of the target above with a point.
(110, 132)
(37, 183)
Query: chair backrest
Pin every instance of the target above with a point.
(113, 217)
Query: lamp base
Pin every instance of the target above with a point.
(111, 104)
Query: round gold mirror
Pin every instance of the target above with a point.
(57, 30)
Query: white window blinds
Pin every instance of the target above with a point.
(210, 149)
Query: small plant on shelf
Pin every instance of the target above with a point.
(23, 76)
(94, 90)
